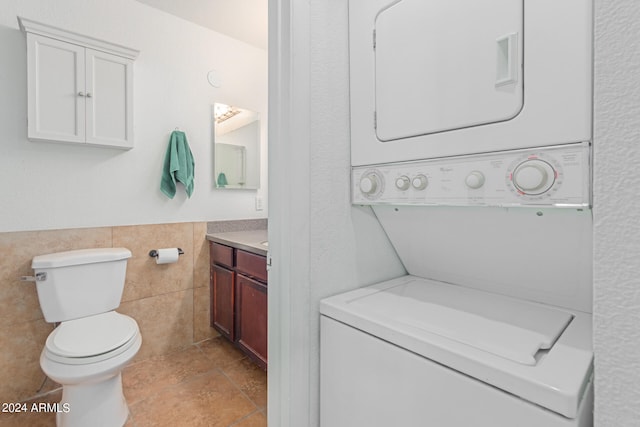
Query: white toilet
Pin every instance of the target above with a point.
(88, 350)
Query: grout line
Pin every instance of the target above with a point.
(238, 421)
(259, 407)
(41, 395)
(157, 295)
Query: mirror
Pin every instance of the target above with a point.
(236, 147)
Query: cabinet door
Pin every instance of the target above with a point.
(221, 254)
(56, 81)
(251, 312)
(109, 99)
(251, 265)
(222, 301)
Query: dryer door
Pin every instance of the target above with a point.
(442, 65)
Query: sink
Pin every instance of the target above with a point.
(265, 243)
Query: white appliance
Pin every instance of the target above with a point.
(415, 352)
(490, 328)
(454, 77)
(471, 130)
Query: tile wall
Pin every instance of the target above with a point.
(169, 302)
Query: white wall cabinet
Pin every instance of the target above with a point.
(80, 89)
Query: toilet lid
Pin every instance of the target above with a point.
(91, 336)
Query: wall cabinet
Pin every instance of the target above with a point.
(79, 89)
(239, 299)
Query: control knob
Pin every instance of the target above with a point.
(419, 182)
(475, 180)
(403, 183)
(533, 176)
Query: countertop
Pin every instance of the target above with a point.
(254, 241)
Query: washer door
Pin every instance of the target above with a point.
(442, 65)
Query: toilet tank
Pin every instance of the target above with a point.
(80, 283)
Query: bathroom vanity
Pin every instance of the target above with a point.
(238, 282)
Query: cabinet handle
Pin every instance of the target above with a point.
(81, 94)
(88, 94)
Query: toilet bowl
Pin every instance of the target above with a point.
(93, 343)
(86, 356)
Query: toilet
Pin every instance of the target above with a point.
(93, 343)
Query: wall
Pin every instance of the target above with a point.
(54, 186)
(169, 302)
(616, 207)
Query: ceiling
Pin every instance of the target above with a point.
(245, 20)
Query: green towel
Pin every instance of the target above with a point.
(222, 180)
(178, 165)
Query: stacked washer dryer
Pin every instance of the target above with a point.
(471, 143)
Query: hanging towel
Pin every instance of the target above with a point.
(178, 165)
(222, 180)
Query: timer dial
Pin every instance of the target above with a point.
(533, 177)
(371, 184)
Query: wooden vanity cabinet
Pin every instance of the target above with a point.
(222, 301)
(239, 299)
(251, 318)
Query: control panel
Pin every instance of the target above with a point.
(549, 176)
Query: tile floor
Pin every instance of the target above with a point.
(208, 384)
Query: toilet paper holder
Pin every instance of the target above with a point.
(154, 252)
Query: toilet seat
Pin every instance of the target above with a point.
(91, 339)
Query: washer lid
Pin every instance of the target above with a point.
(540, 353)
(506, 327)
(91, 336)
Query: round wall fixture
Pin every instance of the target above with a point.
(214, 78)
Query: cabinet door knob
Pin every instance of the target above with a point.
(81, 94)
(88, 94)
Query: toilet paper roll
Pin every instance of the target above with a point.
(167, 256)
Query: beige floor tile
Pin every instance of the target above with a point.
(151, 376)
(185, 388)
(250, 379)
(221, 352)
(259, 419)
(207, 400)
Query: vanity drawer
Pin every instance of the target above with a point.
(251, 265)
(221, 254)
